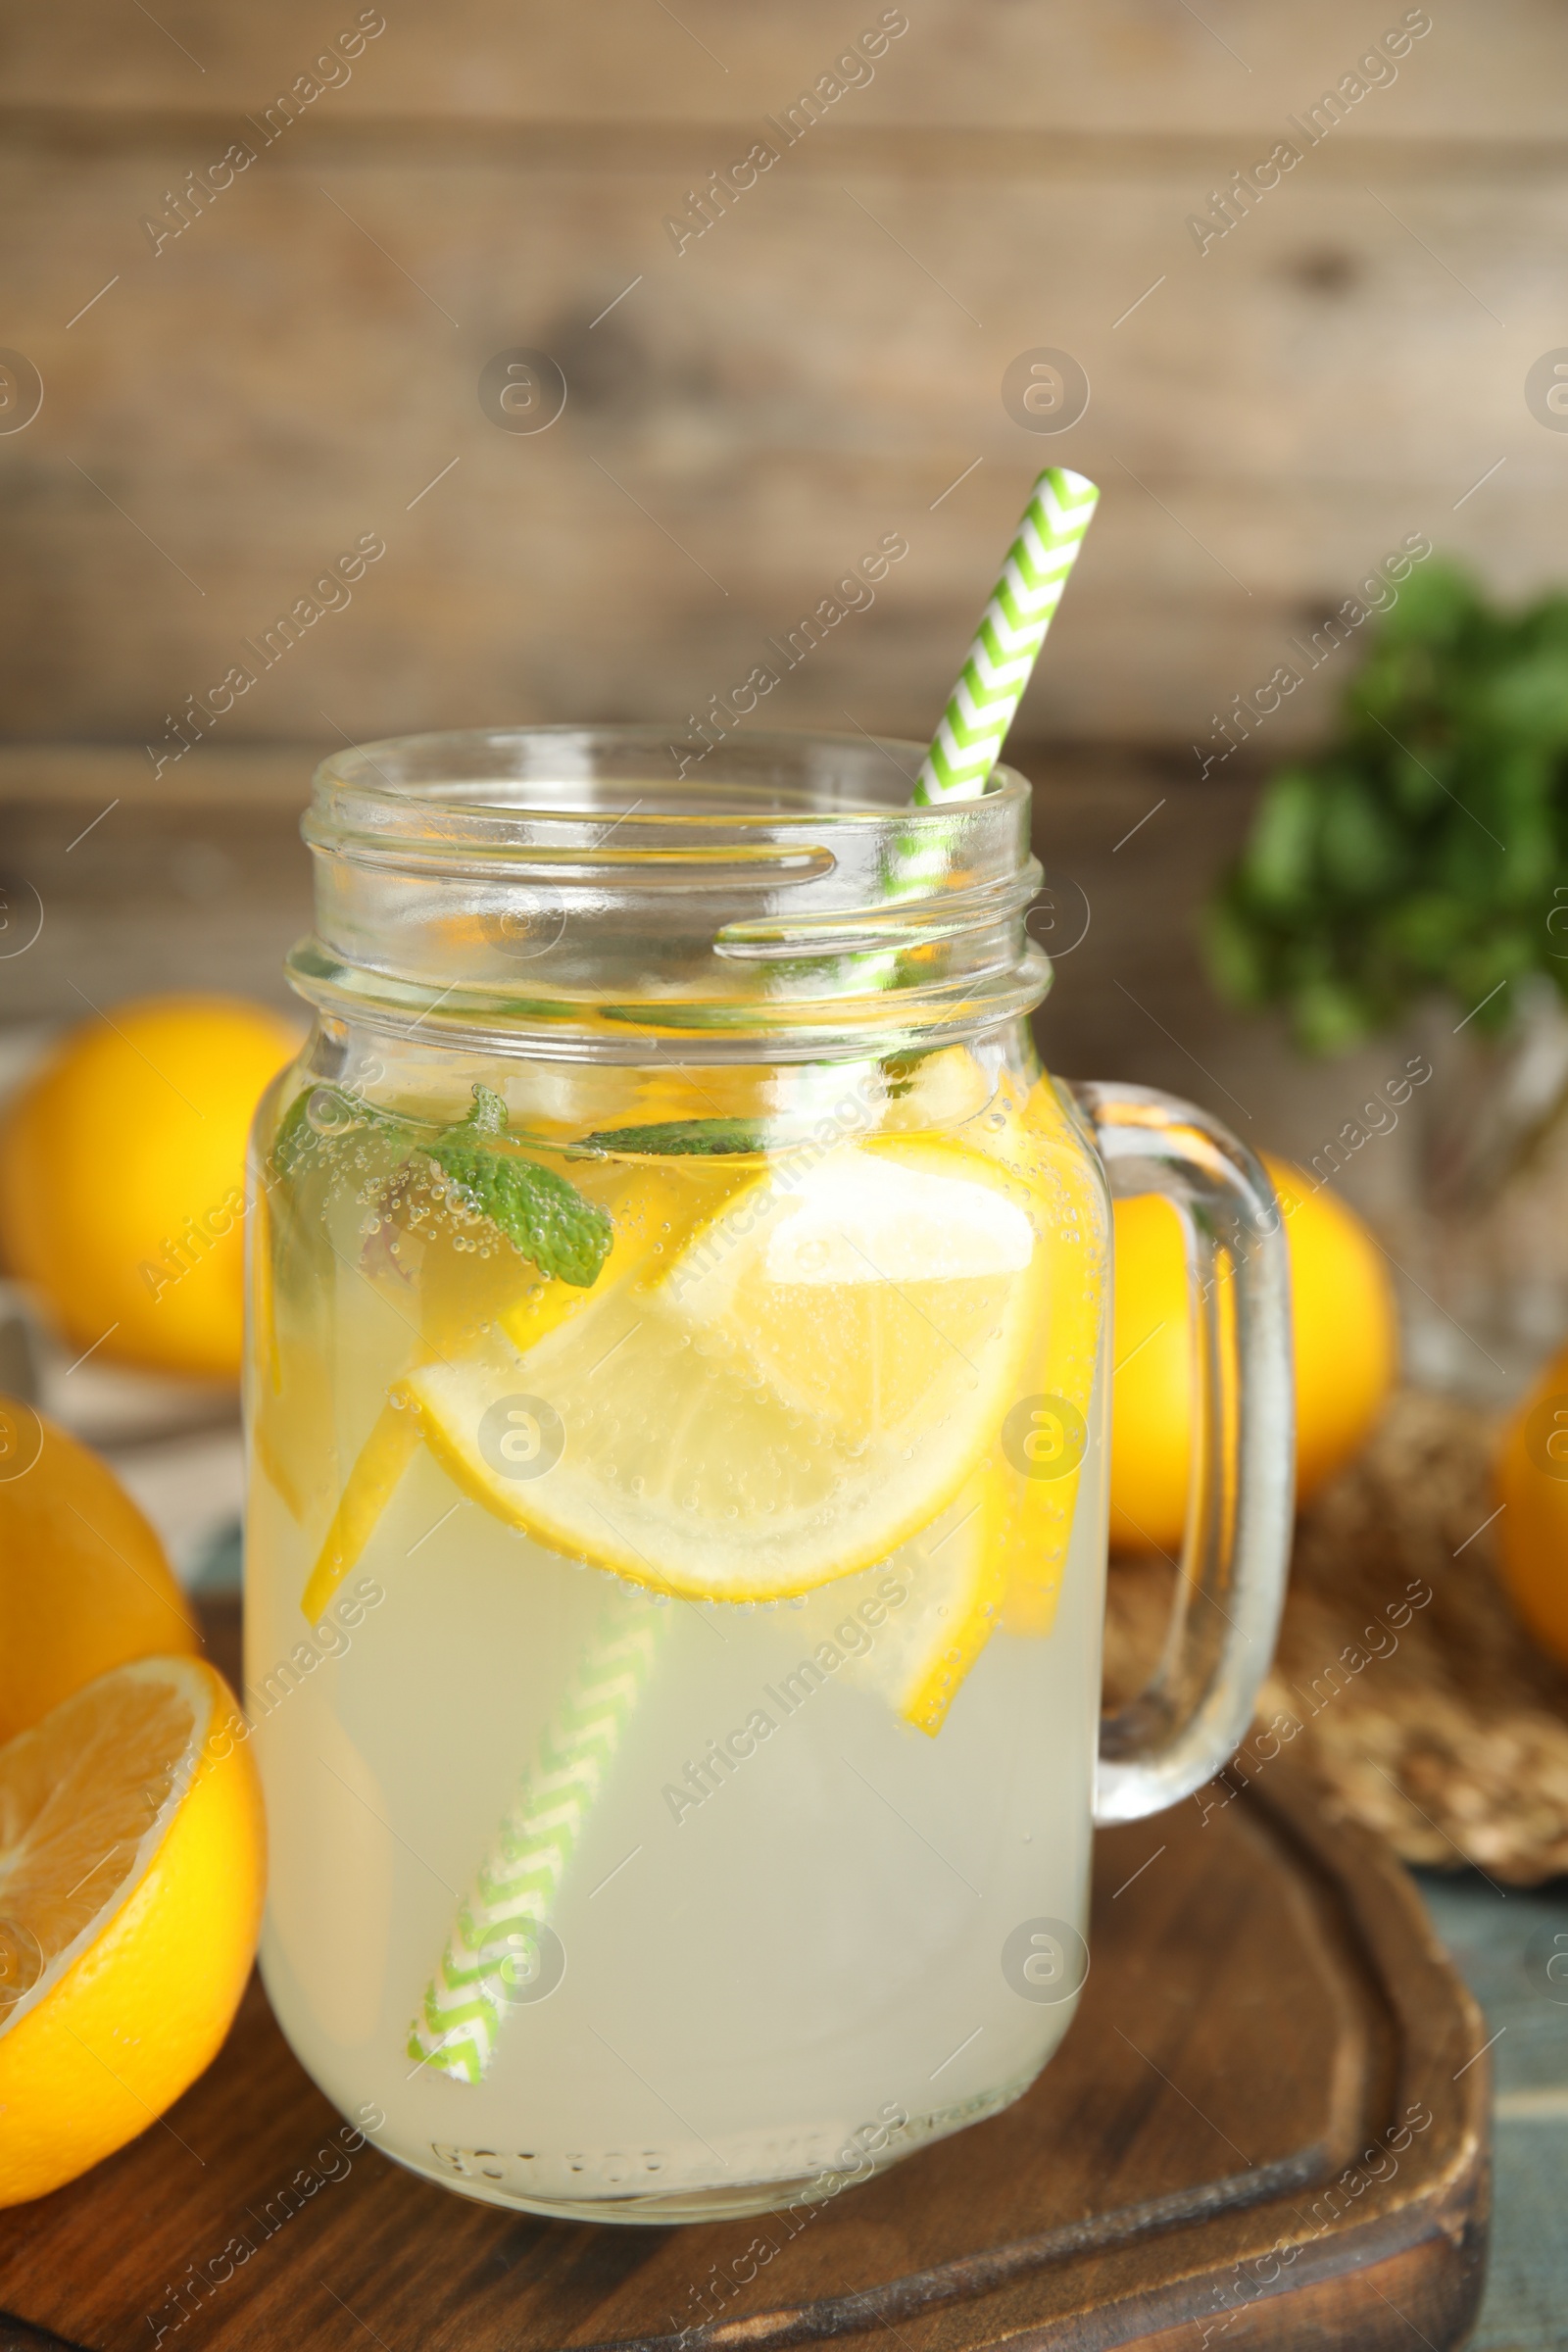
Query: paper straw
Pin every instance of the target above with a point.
(518, 1884)
(1013, 628)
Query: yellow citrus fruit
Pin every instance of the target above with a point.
(1345, 1349)
(832, 1352)
(84, 1584)
(1533, 1527)
(936, 1603)
(1032, 1488)
(461, 1297)
(812, 1312)
(122, 1178)
(132, 1858)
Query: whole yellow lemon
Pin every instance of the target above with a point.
(1533, 1527)
(1346, 1348)
(122, 1178)
(84, 1584)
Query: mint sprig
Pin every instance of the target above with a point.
(1420, 851)
(541, 1213)
(297, 1138)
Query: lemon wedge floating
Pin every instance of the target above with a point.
(806, 1384)
(910, 1630)
(511, 1305)
(131, 1869)
(1028, 1515)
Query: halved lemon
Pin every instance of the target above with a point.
(809, 1384)
(84, 1582)
(132, 1870)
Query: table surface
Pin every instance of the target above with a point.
(1501, 1939)
(1265, 1985)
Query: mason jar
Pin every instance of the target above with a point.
(677, 1408)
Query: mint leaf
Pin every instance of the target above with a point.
(294, 1137)
(715, 1136)
(540, 1214)
(488, 1115)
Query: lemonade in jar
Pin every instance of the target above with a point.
(677, 1411)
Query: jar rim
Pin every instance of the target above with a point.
(779, 891)
(357, 780)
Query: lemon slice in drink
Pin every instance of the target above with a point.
(910, 1628)
(1032, 1488)
(808, 1384)
(510, 1302)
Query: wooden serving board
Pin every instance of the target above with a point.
(1268, 2125)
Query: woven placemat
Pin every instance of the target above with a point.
(1425, 1710)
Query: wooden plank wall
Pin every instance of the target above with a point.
(227, 412)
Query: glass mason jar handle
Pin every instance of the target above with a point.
(1241, 1489)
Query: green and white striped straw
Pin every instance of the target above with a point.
(519, 1881)
(1013, 628)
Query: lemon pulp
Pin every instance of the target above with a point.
(806, 1385)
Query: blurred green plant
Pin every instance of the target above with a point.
(1423, 851)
